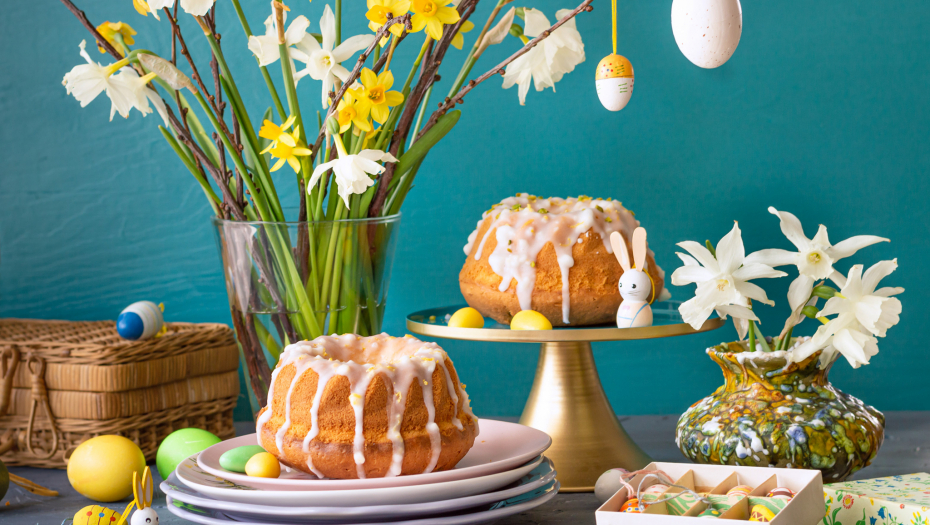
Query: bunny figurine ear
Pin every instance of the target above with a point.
(619, 245)
(639, 248)
(148, 488)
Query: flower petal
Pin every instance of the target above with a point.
(791, 227)
(297, 30)
(368, 78)
(851, 245)
(352, 45)
(447, 15)
(328, 28)
(535, 22)
(800, 291)
(434, 28)
(695, 312)
(702, 254)
(386, 79)
(752, 291)
(876, 273)
(757, 271)
(393, 98)
(691, 274)
(772, 257)
(730, 250)
(735, 310)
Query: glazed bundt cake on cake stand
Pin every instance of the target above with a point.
(553, 256)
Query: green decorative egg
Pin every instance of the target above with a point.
(180, 445)
(234, 460)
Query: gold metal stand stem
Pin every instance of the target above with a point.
(568, 403)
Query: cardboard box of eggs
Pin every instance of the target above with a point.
(723, 492)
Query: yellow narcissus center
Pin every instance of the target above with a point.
(376, 94)
(425, 7)
(722, 284)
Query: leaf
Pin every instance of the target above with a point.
(166, 71)
(497, 33)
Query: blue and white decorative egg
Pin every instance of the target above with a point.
(141, 320)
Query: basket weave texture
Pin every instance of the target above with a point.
(63, 382)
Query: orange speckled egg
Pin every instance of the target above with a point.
(614, 66)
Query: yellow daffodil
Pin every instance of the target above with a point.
(109, 30)
(286, 149)
(350, 111)
(374, 94)
(380, 10)
(458, 40)
(275, 133)
(432, 15)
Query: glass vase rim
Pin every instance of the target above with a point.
(364, 220)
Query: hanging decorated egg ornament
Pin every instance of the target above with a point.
(141, 320)
(707, 31)
(614, 76)
(614, 82)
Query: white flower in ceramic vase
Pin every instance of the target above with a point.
(862, 314)
(352, 172)
(722, 281)
(814, 258)
(548, 62)
(324, 62)
(265, 47)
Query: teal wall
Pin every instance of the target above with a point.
(822, 111)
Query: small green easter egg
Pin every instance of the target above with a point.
(180, 445)
(234, 460)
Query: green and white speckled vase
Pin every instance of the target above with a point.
(774, 414)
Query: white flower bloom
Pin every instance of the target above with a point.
(352, 171)
(125, 89)
(546, 63)
(862, 314)
(722, 282)
(324, 62)
(814, 258)
(265, 47)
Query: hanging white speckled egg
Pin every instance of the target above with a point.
(140, 320)
(614, 82)
(707, 31)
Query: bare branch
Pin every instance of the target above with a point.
(102, 42)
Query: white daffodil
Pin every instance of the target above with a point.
(352, 171)
(191, 7)
(324, 62)
(722, 282)
(265, 47)
(546, 63)
(125, 89)
(862, 314)
(814, 258)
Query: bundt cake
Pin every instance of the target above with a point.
(364, 407)
(550, 255)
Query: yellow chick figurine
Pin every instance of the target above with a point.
(614, 82)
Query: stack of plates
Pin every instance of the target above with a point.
(503, 474)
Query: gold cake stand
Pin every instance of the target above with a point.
(567, 400)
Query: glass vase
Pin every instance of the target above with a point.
(293, 281)
(771, 413)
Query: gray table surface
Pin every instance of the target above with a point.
(906, 450)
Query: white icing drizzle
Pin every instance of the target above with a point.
(524, 224)
(401, 361)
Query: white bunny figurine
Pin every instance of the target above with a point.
(635, 283)
(143, 490)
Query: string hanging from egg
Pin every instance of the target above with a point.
(613, 78)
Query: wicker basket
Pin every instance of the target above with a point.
(62, 383)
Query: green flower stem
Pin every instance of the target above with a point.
(304, 321)
(787, 339)
(752, 336)
(271, 89)
(214, 200)
(338, 13)
(328, 266)
(762, 341)
(245, 127)
(463, 73)
(388, 126)
(268, 341)
(416, 126)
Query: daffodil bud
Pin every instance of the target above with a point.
(332, 126)
(810, 311)
(516, 30)
(824, 292)
(710, 248)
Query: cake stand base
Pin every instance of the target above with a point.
(568, 403)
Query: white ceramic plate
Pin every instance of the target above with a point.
(500, 446)
(219, 488)
(484, 514)
(536, 479)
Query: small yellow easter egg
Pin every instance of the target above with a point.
(614, 82)
(530, 320)
(94, 514)
(614, 66)
(263, 465)
(467, 318)
(101, 468)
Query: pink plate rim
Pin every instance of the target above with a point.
(500, 446)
